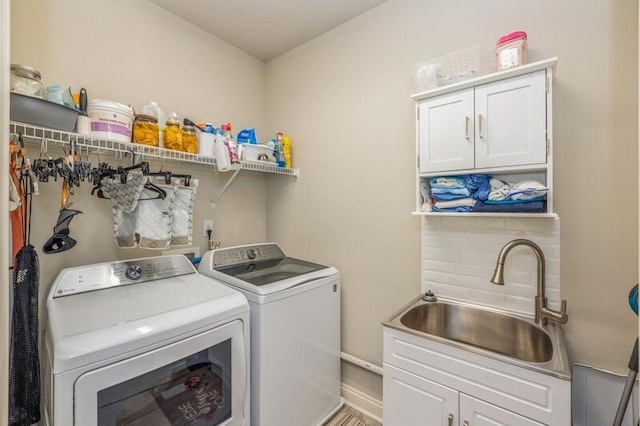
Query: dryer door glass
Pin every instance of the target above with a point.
(192, 390)
(197, 381)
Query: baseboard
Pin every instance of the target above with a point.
(362, 402)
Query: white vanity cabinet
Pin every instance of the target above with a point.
(499, 124)
(428, 383)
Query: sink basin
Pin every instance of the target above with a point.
(482, 328)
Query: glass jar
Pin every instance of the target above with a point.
(189, 139)
(26, 80)
(146, 130)
(173, 133)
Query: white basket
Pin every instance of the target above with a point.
(461, 65)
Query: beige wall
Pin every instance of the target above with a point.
(344, 97)
(134, 52)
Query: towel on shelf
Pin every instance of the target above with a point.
(464, 192)
(528, 207)
(462, 204)
(447, 182)
(499, 189)
(478, 185)
(510, 201)
(527, 190)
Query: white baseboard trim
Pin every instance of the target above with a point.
(362, 402)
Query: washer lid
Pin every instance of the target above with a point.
(92, 326)
(261, 268)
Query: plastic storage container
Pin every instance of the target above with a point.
(511, 50)
(173, 133)
(27, 81)
(145, 130)
(206, 141)
(189, 139)
(111, 120)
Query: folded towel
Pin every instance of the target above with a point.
(531, 207)
(460, 209)
(447, 182)
(526, 190)
(510, 201)
(478, 185)
(448, 197)
(464, 192)
(499, 189)
(462, 202)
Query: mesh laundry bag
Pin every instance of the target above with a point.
(24, 366)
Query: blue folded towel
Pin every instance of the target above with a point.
(457, 191)
(478, 185)
(509, 201)
(529, 207)
(460, 209)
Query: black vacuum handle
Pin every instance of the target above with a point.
(633, 361)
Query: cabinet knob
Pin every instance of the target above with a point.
(465, 423)
(450, 418)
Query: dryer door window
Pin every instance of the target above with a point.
(196, 387)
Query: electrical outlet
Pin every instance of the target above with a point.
(207, 224)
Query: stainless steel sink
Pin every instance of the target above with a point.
(495, 332)
(491, 332)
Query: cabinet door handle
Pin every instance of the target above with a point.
(480, 125)
(450, 418)
(466, 127)
(465, 423)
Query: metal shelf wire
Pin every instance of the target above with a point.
(36, 134)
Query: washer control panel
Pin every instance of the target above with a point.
(107, 275)
(246, 254)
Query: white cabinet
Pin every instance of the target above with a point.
(412, 400)
(429, 383)
(474, 412)
(500, 124)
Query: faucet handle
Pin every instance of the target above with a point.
(563, 306)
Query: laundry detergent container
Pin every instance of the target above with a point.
(110, 120)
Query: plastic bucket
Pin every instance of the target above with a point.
(110, 120)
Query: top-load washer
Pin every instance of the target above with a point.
(145, 342)
(295, 331)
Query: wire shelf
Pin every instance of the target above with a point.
(36, 134)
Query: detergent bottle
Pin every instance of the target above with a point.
(231, 144)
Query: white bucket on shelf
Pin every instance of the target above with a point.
(110, 120)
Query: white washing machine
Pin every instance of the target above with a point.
(295, 331)
(145, 342)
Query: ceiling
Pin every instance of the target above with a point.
(266, 29)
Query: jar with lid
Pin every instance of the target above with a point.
(189, 139)
(27, 81)
(146, 130)
(173, 133)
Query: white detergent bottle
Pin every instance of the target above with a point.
(221, 153)
(154, 110)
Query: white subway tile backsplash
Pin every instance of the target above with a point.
(459, 255)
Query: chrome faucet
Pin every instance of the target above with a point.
(542, 312)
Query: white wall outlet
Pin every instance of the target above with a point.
(207, 224)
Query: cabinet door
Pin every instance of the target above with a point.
(474, 412)
(445, 132)
(410, 400)
(511, 122)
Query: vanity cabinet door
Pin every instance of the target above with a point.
(445, 132)
(511, 122)
(474, 412)
(410, 400)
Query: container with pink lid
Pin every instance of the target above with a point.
(511, 50)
